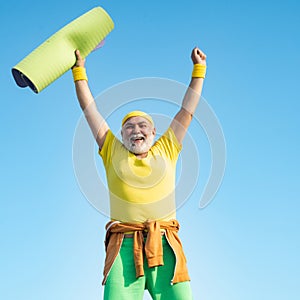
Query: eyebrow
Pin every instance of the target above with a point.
(142, 122)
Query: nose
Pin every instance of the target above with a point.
(136, 128)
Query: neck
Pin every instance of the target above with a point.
(141, 155)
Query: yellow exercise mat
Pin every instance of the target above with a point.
(56, 55)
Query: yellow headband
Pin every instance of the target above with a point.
(137, 113)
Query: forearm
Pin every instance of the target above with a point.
(84, 95)
(87, 102)
(88, 105)
(192, 95)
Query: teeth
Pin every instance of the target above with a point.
(137, 139)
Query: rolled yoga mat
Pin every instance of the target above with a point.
(56, 55)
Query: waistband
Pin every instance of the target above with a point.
(145, 233)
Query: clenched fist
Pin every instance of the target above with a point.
(198, 57)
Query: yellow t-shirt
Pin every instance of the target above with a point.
(141, 189)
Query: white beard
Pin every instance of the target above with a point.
(141, 147)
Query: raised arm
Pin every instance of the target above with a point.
(87, 103)
(191, 99)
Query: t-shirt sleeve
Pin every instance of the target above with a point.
(169, 144)
(106, 151)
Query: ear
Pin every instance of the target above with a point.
(154, 131)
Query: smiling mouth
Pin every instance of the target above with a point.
(137, 139)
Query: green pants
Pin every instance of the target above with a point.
(122, 283)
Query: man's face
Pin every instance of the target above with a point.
(138, 135)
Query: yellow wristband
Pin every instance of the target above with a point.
(79, 73)
(199, 71)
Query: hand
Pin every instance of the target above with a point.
(198, 57)
(79, 60)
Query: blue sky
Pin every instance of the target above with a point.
(245, 243)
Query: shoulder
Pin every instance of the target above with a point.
(168, 144)
(110, 142)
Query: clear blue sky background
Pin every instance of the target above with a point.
(245, 244)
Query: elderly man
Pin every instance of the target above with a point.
(143, 250)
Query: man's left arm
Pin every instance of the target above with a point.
(191, 99)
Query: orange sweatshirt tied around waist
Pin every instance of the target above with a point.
(116, 230)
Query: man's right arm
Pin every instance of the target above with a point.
(87, 103)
